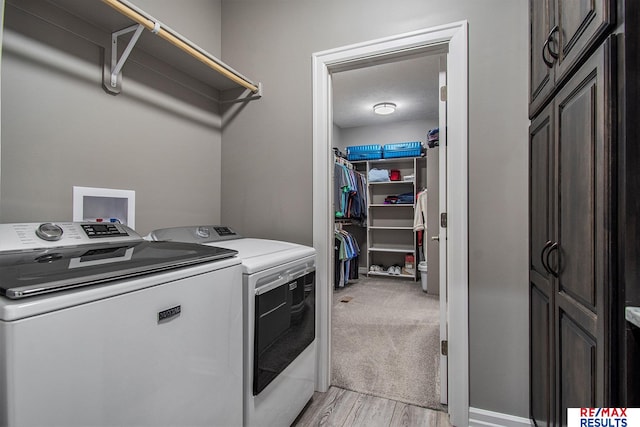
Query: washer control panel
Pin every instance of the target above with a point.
(222, 231)
(195, 234)
(16, 237)
(101, 230)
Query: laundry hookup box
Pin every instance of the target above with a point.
(104, 205)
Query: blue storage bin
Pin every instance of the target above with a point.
(364, 152)
(402, 149)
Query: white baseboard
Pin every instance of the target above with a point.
(483, 418)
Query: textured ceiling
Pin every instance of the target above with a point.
(411, 84)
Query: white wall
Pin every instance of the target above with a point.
(336, 137)
(60, 128)
(267, 150)
(408, 131)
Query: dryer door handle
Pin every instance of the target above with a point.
(281, 280)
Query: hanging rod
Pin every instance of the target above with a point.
(343, 161)
(181, 43)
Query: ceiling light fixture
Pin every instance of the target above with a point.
(384, 108)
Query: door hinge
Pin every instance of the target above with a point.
(443, 93)
(444, 348)
(443, 220)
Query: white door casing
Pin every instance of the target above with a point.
(442, 231)
(450, 38)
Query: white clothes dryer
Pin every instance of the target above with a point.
(279, 320)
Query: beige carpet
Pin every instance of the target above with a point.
(386, 341)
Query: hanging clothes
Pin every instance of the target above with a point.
(350, 195)
(350, 203)
(347, 253)
(420, 212)
(420, 220)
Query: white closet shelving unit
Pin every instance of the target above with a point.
(390, 235)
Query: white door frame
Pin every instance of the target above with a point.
(441, 232)
(455, 37)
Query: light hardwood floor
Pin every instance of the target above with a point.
(340, 407)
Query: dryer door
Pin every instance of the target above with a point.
(284, 324)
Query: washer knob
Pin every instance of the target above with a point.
(203, 232)
(50, 232)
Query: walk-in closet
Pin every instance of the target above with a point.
(386, 304)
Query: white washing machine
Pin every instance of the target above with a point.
(100, 327)
(279, 320)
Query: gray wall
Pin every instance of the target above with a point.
(1, 32)
(197, 20)
(267, 157)
(60, 128)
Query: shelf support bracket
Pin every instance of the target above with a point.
(247, 95)
(112, 76)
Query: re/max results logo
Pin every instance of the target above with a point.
(603, 417)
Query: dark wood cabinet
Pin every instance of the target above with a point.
(562, 35)
(584, 265)
(629, 201)
(572, 160)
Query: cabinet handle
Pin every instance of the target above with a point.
(544, 54)
(553, 247)
(546, 47)
(554, 30)
(542, 257)
(435, 238)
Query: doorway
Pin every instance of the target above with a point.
(386, 327)
(453, 39)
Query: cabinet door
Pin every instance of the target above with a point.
(542, 185)
(583, 259)
(541, 351)
(562, 33)
(541, 73)
(582, 24)
(542, 189)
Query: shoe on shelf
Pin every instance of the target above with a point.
(391, 270)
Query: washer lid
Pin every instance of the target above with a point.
(260, 254)
(27, 273)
